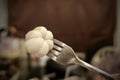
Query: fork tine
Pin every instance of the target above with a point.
(59, 43)
(57, 48)
(56, 53)
(52, 56)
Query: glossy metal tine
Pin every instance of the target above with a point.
(59, 43)
(57, 48)
(52, 55)
(56, 53)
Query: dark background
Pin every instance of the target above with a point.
(85, 25)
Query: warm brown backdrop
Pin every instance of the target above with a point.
(82, 24)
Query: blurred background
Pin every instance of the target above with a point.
(91, 28)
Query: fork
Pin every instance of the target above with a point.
(64, 54)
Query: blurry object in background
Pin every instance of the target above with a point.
(102, 54)
(3, 75)
(98, 77)
(58, 69)
(81, 55)
(111, 63)
(10, 53)
(3, 33)
(35, 78)
(76, 69)
(9, 46)
(8, 32)
(107, 59)
(12, 30)
(75, 78)
(10, 67)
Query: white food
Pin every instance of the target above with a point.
(33, 34)
(39, 41)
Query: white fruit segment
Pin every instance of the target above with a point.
(50, 43)
(39, 41)
(33, 45)
(33, 34)
(44, 50)
(49, 35)
(42, 30)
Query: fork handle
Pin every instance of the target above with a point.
(95, 69)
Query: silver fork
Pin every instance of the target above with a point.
(64, 54)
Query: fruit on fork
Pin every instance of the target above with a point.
(39, 41)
